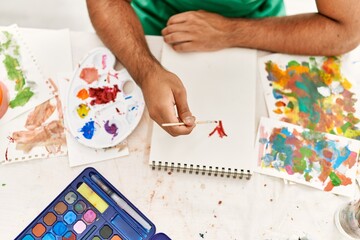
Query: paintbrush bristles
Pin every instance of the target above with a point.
(182, 124)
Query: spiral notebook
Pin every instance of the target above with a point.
(220, 85)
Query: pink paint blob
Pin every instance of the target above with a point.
(103, 61)
(289, 170)
(89, 216)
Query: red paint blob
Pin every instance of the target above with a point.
(103, 95)
(220, 129)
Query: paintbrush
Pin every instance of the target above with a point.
(182, 124)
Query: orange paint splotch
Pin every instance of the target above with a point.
(326, 170)
(83, 94)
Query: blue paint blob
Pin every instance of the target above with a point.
(48, 236)
(70, 217)
(28, 237)
(88, 130)
(276, 94)
(59, 228)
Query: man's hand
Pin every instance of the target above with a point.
(163, 91)
(197, 31)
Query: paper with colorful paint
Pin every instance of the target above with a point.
(104, 105)
(79, 154)
(22, 85)
(321, 160)
(36, 134)
(319, 93)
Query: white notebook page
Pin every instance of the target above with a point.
(220, 86)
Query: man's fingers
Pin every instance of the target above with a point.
(179, 27)
(181, 17)
(177, 37)
(185, 47)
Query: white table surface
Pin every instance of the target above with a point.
(184, 206)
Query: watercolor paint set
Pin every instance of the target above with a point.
(90, 208)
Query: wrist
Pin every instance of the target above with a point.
(149, 70)
(235, 32)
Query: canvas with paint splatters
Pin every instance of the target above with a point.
(319, 93)
(22, 85)
(321, 160)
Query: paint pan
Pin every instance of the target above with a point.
(104, 106)
(91, 208)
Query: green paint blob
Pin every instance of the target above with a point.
(21, 98)
(336, 181)
(293, 63)
(345, 126)
(299, 165)
(290, 105)
(305, 152)
(14, 72)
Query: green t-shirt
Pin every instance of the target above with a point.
(154, 14)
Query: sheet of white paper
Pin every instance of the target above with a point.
(321, 160)
(23, 84)
(52, 50)
(220, 86)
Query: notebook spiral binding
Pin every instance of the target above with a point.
(202, 170)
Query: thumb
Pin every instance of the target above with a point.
(183, 110)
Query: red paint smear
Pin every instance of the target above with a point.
(103, 95)
(116, 75)
(10, 139)
(89, 75)
(327, 153)
(220, 129)
(6, 154)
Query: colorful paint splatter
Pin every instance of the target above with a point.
(314, 95)
(307, 156)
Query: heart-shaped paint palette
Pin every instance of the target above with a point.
(104, 106)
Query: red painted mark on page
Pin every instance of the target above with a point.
(6, 154)
(103, 95)
(220, 129)
(115, 75)
(89, 75)
(11, 140)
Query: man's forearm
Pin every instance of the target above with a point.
(311, 34)
(119, 28)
